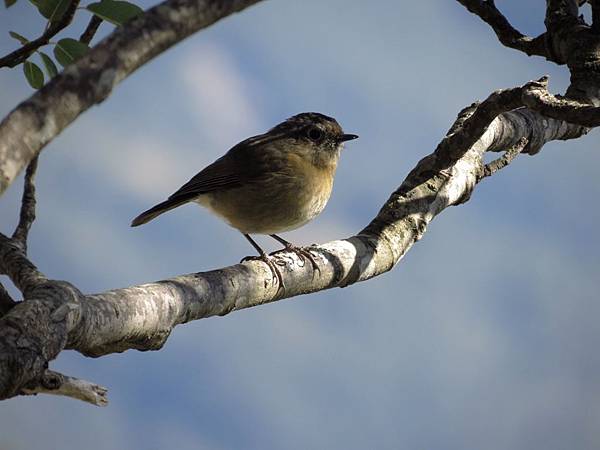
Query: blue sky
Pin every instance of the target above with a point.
(485, 336)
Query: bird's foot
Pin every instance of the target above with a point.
(302, 252)
(276, 273)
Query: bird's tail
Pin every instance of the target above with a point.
(157, 210)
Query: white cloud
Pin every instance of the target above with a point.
(218, 95)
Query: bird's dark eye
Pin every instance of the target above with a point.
(314, 134)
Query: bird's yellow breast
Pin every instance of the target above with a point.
(279, 201)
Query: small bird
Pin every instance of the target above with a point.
(270, 183)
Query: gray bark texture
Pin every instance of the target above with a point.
(40, 118)
(55, 315)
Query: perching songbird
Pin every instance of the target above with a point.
(270, 183)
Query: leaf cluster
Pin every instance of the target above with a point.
(66, 50)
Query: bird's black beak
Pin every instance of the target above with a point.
(347, 137)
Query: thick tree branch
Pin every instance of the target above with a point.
(561, 14)
(6, 301)
(27, 215)
(506, 33)
(564, 30)
(34, 331)
(401, 222)
(475, 120)
(539, 99)
(21, 54)
(142, 317)
(36, 121)
(58, 384)
(55, 315)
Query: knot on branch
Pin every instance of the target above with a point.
(34, 332)
(48, 380)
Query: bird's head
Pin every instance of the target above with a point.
(315, 136)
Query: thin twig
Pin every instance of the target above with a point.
(21, 54)
(27, 215)
(58, 384)
(90, 30)
(500, 163)
(6, 301)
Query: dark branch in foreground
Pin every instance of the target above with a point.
(21, 54)
(506, 33)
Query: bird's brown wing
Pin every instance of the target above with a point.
(224, 173)
(241, 164)
(244, 163)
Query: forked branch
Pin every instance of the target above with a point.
(90, 80)
(109, 322)
(508, 157)
(21, 54)
(54, 315)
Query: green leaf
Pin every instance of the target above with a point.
(115, 11)
(68, 50)
(34, 74)
(22, 39)
(9, 3)
(51, 69)
(53, 10)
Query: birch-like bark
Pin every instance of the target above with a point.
(55, 383)
(55, 315)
